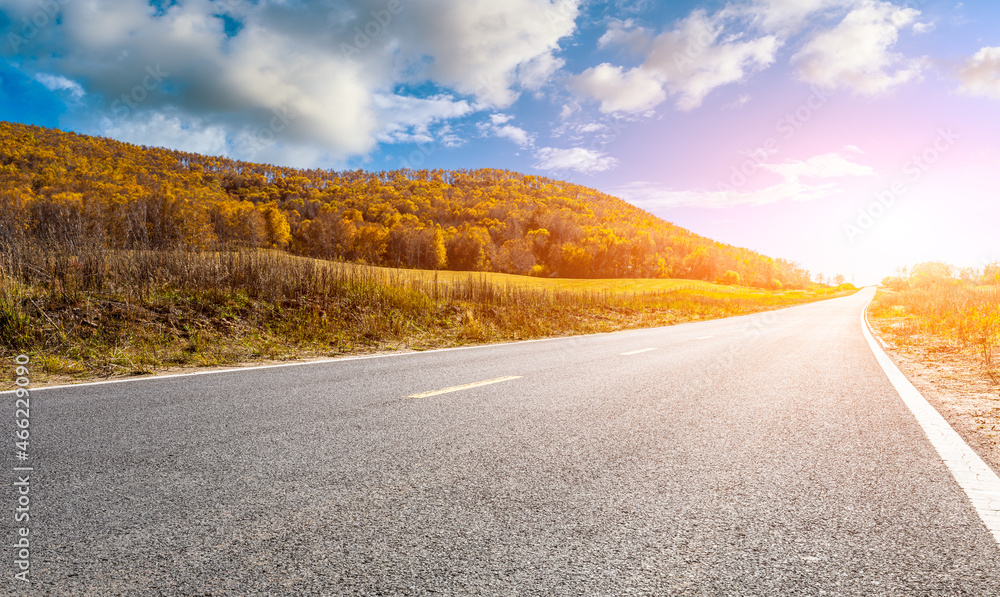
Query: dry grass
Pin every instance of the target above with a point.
(944, 316)
(943, 335)
(94, 312)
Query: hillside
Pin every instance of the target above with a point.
(64, 189)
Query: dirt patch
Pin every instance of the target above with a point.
(952, 380)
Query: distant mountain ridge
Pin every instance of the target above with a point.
(66, 188)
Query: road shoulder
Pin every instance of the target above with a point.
(951, 382)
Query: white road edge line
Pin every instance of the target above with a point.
(625, 354)
(974, 476)
(463, 387)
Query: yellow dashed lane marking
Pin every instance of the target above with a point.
(464, 387)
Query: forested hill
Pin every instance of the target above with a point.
(71, 189)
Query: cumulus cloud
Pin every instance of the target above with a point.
(231, 66)
(703, 51)
(577, 159)
(685, 63)
(980, 74)
(483, 47)
(856, 54)
(618, 90)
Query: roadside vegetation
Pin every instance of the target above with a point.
(76, 189)
(944, 311)
(83, 312)
(117, 259)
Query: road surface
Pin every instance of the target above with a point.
(757, 455)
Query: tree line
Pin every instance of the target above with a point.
(63, 188)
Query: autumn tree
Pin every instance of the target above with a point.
(67, 188)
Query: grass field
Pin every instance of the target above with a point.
(613, 285)
(943, 314)
(85, 313)
(966, 326)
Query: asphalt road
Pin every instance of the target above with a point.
(758, 455)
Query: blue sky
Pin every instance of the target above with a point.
(852, 136)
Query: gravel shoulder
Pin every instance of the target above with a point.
(951, 380)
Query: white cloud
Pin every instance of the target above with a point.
(592, 127)
(498, 127)
(791, 188)
(568, 109)
(408, 119)
(635, 90)
(980, 74)
(627, 34)
(739, 102)
(703, 51)
(686, 63)
(448, 138)
(829, 165)
(785, 16)
(575, 158)
(60, 83)
(334, 65)
(856, 53)
(651, 196)
(515, 134)
(534, 73)
(176, 132)
(478, 47)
